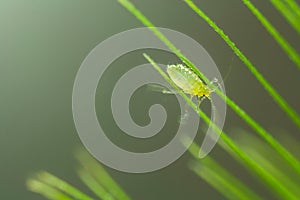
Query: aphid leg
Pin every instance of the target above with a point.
(200, 99)
(168, 92)
(186, 114)
(159, 88)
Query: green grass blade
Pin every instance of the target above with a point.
(291, 52)
(273, 183)
(278, 174)
(294, 6)
(274, 94)
(93, 185)
(55, 182)
(45, 190)
(288, 14)
(261, 131)
(220, 178)
(281, 150)
(218, 182)
(130, 7)
(101, 176)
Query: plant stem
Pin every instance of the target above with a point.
(294, 6)
(55, 182)
(101, 176)
(92, 183)
(288, 49)
(274, 94)
(289, 14)
(46, 190)
(220, 178)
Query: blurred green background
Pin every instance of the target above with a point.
(43, 44)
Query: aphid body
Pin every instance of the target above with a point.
(188, 81)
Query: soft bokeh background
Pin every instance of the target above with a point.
(43, 44)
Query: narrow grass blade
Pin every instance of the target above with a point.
(259, 129)
(290, 51)
(287, 13)
(46, 190)
(273, 183)
(218, 182)
(265, 157)
(93, 185)
(278, 173)
(274, 94)
(61, 185)
(281, 102)
(294, 6)
(101, 176)
(220, 178)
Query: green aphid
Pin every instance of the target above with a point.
(188, 81)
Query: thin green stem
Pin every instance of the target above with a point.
(45, 190)
(290, 51)
(220, 178)
(92, 183)
(261, 131)
(274, 94)
(274, 169)
(227, 189)
(275, 184)
(55, 182)
(288, 14)
(294, 6)
(101, 176)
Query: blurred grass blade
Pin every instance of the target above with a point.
(218, 182)
(220, 178)
(290, 51)
(280, 175)
(250, 121)
(46, 190)
(294, 6)
(266, 157)
(94, 185)
(55, 182)
(288, 13)
(97, 171)
(274, 184)
(274, 94)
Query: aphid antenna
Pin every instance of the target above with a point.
(229, 68)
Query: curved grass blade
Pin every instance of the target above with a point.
(288, 49)
(258, 128)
